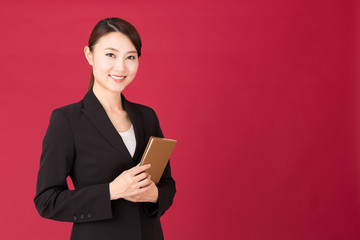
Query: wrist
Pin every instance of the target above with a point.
(156, 195)
(112, 191)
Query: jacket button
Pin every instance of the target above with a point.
(75, 218)
(89, 215)
(82, 216)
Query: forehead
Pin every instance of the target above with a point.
(115, 40)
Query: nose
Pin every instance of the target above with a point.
(120, 65)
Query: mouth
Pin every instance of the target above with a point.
(118, 78)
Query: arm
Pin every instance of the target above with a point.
(53, 198)
(166, 186)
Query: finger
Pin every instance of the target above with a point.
(137, 193)
(140, 176)
(144, 167)
(139, 169)
(145, 182)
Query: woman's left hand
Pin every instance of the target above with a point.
(150, 195)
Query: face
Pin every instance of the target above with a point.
(114, 61)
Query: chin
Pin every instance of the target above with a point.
(118, 89)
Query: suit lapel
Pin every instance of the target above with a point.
(97, 115)
(136, 120)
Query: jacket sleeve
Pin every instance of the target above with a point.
(166, 186)
(53, 198)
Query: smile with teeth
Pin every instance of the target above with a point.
(117, 78)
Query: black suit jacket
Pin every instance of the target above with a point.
(82, 143)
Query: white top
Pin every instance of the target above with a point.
(129, 139)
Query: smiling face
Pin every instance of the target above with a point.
(114, 60)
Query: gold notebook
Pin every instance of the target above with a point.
(157, 153)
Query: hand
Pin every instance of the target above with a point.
(150, 195)
(132, 182)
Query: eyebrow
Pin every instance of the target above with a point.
(114, 49)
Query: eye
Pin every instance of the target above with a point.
(131, 57)
(110, 55)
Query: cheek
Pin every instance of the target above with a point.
(102, 65)
(134, 67)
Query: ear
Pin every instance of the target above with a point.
(88, 55)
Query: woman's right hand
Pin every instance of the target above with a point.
(130, 182)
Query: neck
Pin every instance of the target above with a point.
(111, 101)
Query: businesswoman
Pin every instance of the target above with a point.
(98, 142)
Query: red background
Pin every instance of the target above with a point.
(262, 95)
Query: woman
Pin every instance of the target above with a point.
(98, 142)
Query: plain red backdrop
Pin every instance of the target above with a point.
(262, 96)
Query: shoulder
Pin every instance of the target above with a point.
(72, 109)
(60, 121)
(64, 115)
